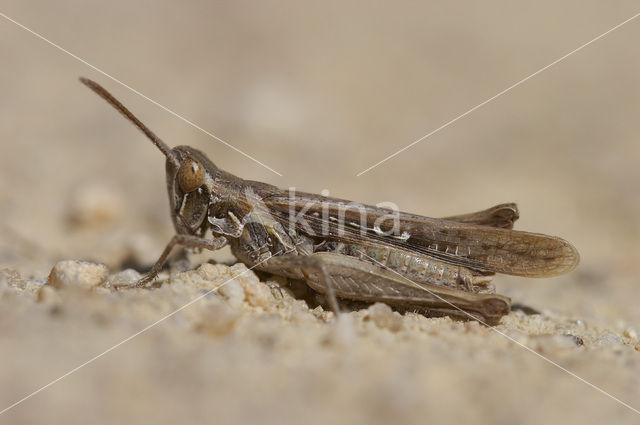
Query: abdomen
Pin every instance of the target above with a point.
(416, 267)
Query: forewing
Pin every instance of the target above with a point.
(479, 247)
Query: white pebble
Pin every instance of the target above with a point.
(125, 277)
(382, 315)
(77, 273)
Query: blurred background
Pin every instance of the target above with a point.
(320, 91)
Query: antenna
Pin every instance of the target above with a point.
(103, 93)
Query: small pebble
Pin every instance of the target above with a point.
(77, 273)
(382, 315)
(578, 322)
(125, 277)
(631, 333)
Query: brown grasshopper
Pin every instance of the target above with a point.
(351, 251)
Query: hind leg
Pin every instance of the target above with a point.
(355, 279)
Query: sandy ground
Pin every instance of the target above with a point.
(318, 92)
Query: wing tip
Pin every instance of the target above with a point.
(572, 255)
(566, 260)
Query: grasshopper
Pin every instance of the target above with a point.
(351, 251)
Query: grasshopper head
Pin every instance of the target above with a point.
(190, 179)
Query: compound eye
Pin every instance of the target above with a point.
(190, 175)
